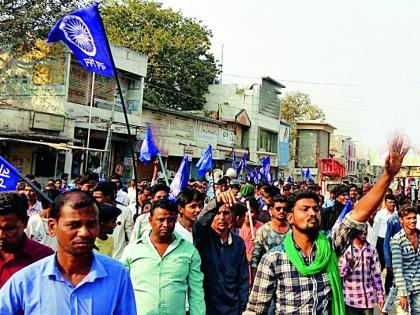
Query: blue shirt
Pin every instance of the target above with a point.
(40, 288)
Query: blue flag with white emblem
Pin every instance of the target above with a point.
(205, 163)
(82, 31)
(265, 170)
(180, 180)
(8, 176)
(148, 148)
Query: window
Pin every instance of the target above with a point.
(267, 141)
(306, 148)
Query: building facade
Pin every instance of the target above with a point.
(52, 106)
(261, 103)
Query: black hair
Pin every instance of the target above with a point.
(35, 183)
(301, 194)
(238, 210)
(366, 179)
(106, 187)
(107, 212)
(87, 177)
(164, 204)
(389, 197)
(287, 187)
(279, 198)
(30, 176)
(12, 202)
(52, 194)
(254, 204)
(405, 210)
(353, 186)
(58, 179)
(158, 187)
(270, 190)
(187, 196)
(85, 199)
(261, 185)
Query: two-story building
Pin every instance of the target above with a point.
(313, 153)
(261, 104)
(51, 106)
(344, 150)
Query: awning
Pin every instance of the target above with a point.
(229, 150)
(57, 146)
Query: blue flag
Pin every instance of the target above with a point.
(148, 148)
(250, 175)
(303, 173)
(241, 164)
(83, 33)
(347, 208)
(309, 177)
(8, 176)
(234, 165)
(180, 180)
(290, 179)
(265, 170)
(205, 163)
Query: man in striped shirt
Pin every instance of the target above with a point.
(406, 261)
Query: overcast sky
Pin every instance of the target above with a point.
(363, 56)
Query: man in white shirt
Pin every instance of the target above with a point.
(34, 203)
(121, 196)
(380, 225)
(37, 228)
(157, 192)
(104, 193)
(190, 203)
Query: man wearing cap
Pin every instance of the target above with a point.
(330, 214)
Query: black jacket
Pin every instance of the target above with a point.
(330, 214)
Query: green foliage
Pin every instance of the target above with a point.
(298, 106)
(22, 22)
(180, 65)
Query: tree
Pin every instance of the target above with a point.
(298, 106)
(180, 65)
(22, 22)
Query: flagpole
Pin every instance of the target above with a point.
(90, 119)
(35, 188)
(162, 166)
(133, 154)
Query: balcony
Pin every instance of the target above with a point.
(331, 167)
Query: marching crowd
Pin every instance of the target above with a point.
(252, 249)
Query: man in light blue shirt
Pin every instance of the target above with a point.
(75, 281)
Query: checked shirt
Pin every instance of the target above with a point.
(362, 283)
(278, 279)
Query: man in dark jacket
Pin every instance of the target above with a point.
(223, 258)
(330, 214)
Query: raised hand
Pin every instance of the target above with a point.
(397, 152)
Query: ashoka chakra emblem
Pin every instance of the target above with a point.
(77, 32)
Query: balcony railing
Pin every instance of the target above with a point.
(331, 167)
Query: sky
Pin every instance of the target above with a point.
(358, 60)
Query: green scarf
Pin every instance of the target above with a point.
(325, 259)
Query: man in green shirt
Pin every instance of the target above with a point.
(164, 268)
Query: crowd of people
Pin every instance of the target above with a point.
(263, 248)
